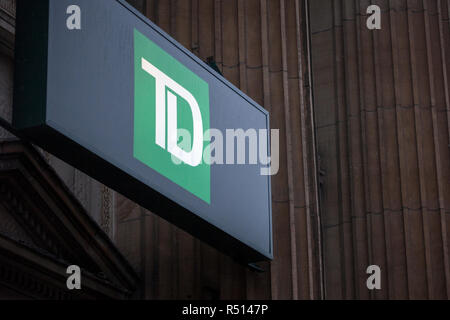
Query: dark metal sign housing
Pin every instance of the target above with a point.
(82, 95)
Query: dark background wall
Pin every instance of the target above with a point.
(382, 109)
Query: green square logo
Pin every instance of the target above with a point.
(170, 102)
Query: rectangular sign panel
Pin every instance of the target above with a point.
(106, 90)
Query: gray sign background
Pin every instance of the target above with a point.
(86, 117)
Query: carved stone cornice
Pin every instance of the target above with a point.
(9, 7)
(47, 223)
(41, 238)
(7, 25)
(31, 285)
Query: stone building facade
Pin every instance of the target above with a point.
(364, 119)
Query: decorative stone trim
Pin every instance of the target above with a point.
(107, 212)
(7, 26)
(9, 7)
(29, 283)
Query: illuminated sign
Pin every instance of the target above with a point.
(100, 86)
(169, 96)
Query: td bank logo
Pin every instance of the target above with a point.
(163, 85)
(169, 97)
